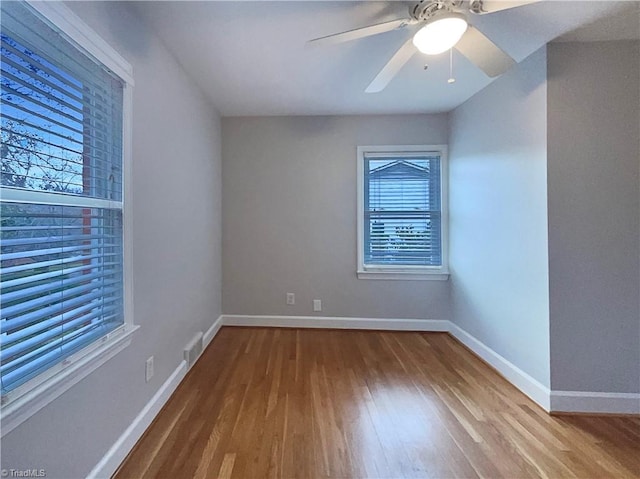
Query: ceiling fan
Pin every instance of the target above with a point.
(441, 25)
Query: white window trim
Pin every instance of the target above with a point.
(31, 397)
(423, 273)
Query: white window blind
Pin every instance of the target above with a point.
(61, 250)
(402, 210)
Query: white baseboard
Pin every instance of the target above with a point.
(114, 456)
(550, 400)
(537, 391)
(212, 331)
(327, 322)
(121, 448)
(553, 401)
(595, 402)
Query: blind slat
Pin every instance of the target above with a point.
(110, 305)
(51, 275)
(48, 251)
(38, 295)
(40, 265)
(49, 110)
(47, 286)
(12, 70)
(42, 349)
(60, 83)
(53, 98)
(65, 142)
(55, 299)
(53, 321)
(402, 211)
(53, 356)
(55, 330)
(116, 139)
(31, 112)
(72, 67)
(52, 239)
(18, 323)
(61, 264)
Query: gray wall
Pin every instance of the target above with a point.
(289, 217)
(498, 217)
(176, 248)
(594, 250)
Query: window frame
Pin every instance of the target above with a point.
(27, 399)
(406, 272)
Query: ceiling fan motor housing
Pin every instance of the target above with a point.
(475, 6)
(426, 9)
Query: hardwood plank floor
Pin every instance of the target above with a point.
(346, 404)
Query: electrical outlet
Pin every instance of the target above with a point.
(148, 370)
(317, 305)
(291, 298)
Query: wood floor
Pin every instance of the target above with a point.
(346, 404)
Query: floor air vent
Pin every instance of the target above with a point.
(193, 349)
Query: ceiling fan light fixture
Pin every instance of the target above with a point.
(441, 33)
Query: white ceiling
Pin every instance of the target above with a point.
(251, 57)
(622, 24)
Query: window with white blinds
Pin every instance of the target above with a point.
(61, 198)
(401, 210)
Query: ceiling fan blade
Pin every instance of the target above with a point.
(485, 54)
(361, 32)
(482, 7)
(392, 67)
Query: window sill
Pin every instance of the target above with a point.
(18, 410)
(405, 275)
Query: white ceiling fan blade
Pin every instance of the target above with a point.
(361, 32)
(485, 54)
(483, 7)
(392, 67)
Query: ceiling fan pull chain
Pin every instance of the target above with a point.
(451, 77)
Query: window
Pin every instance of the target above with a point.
(402, 217)
(62, 192)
